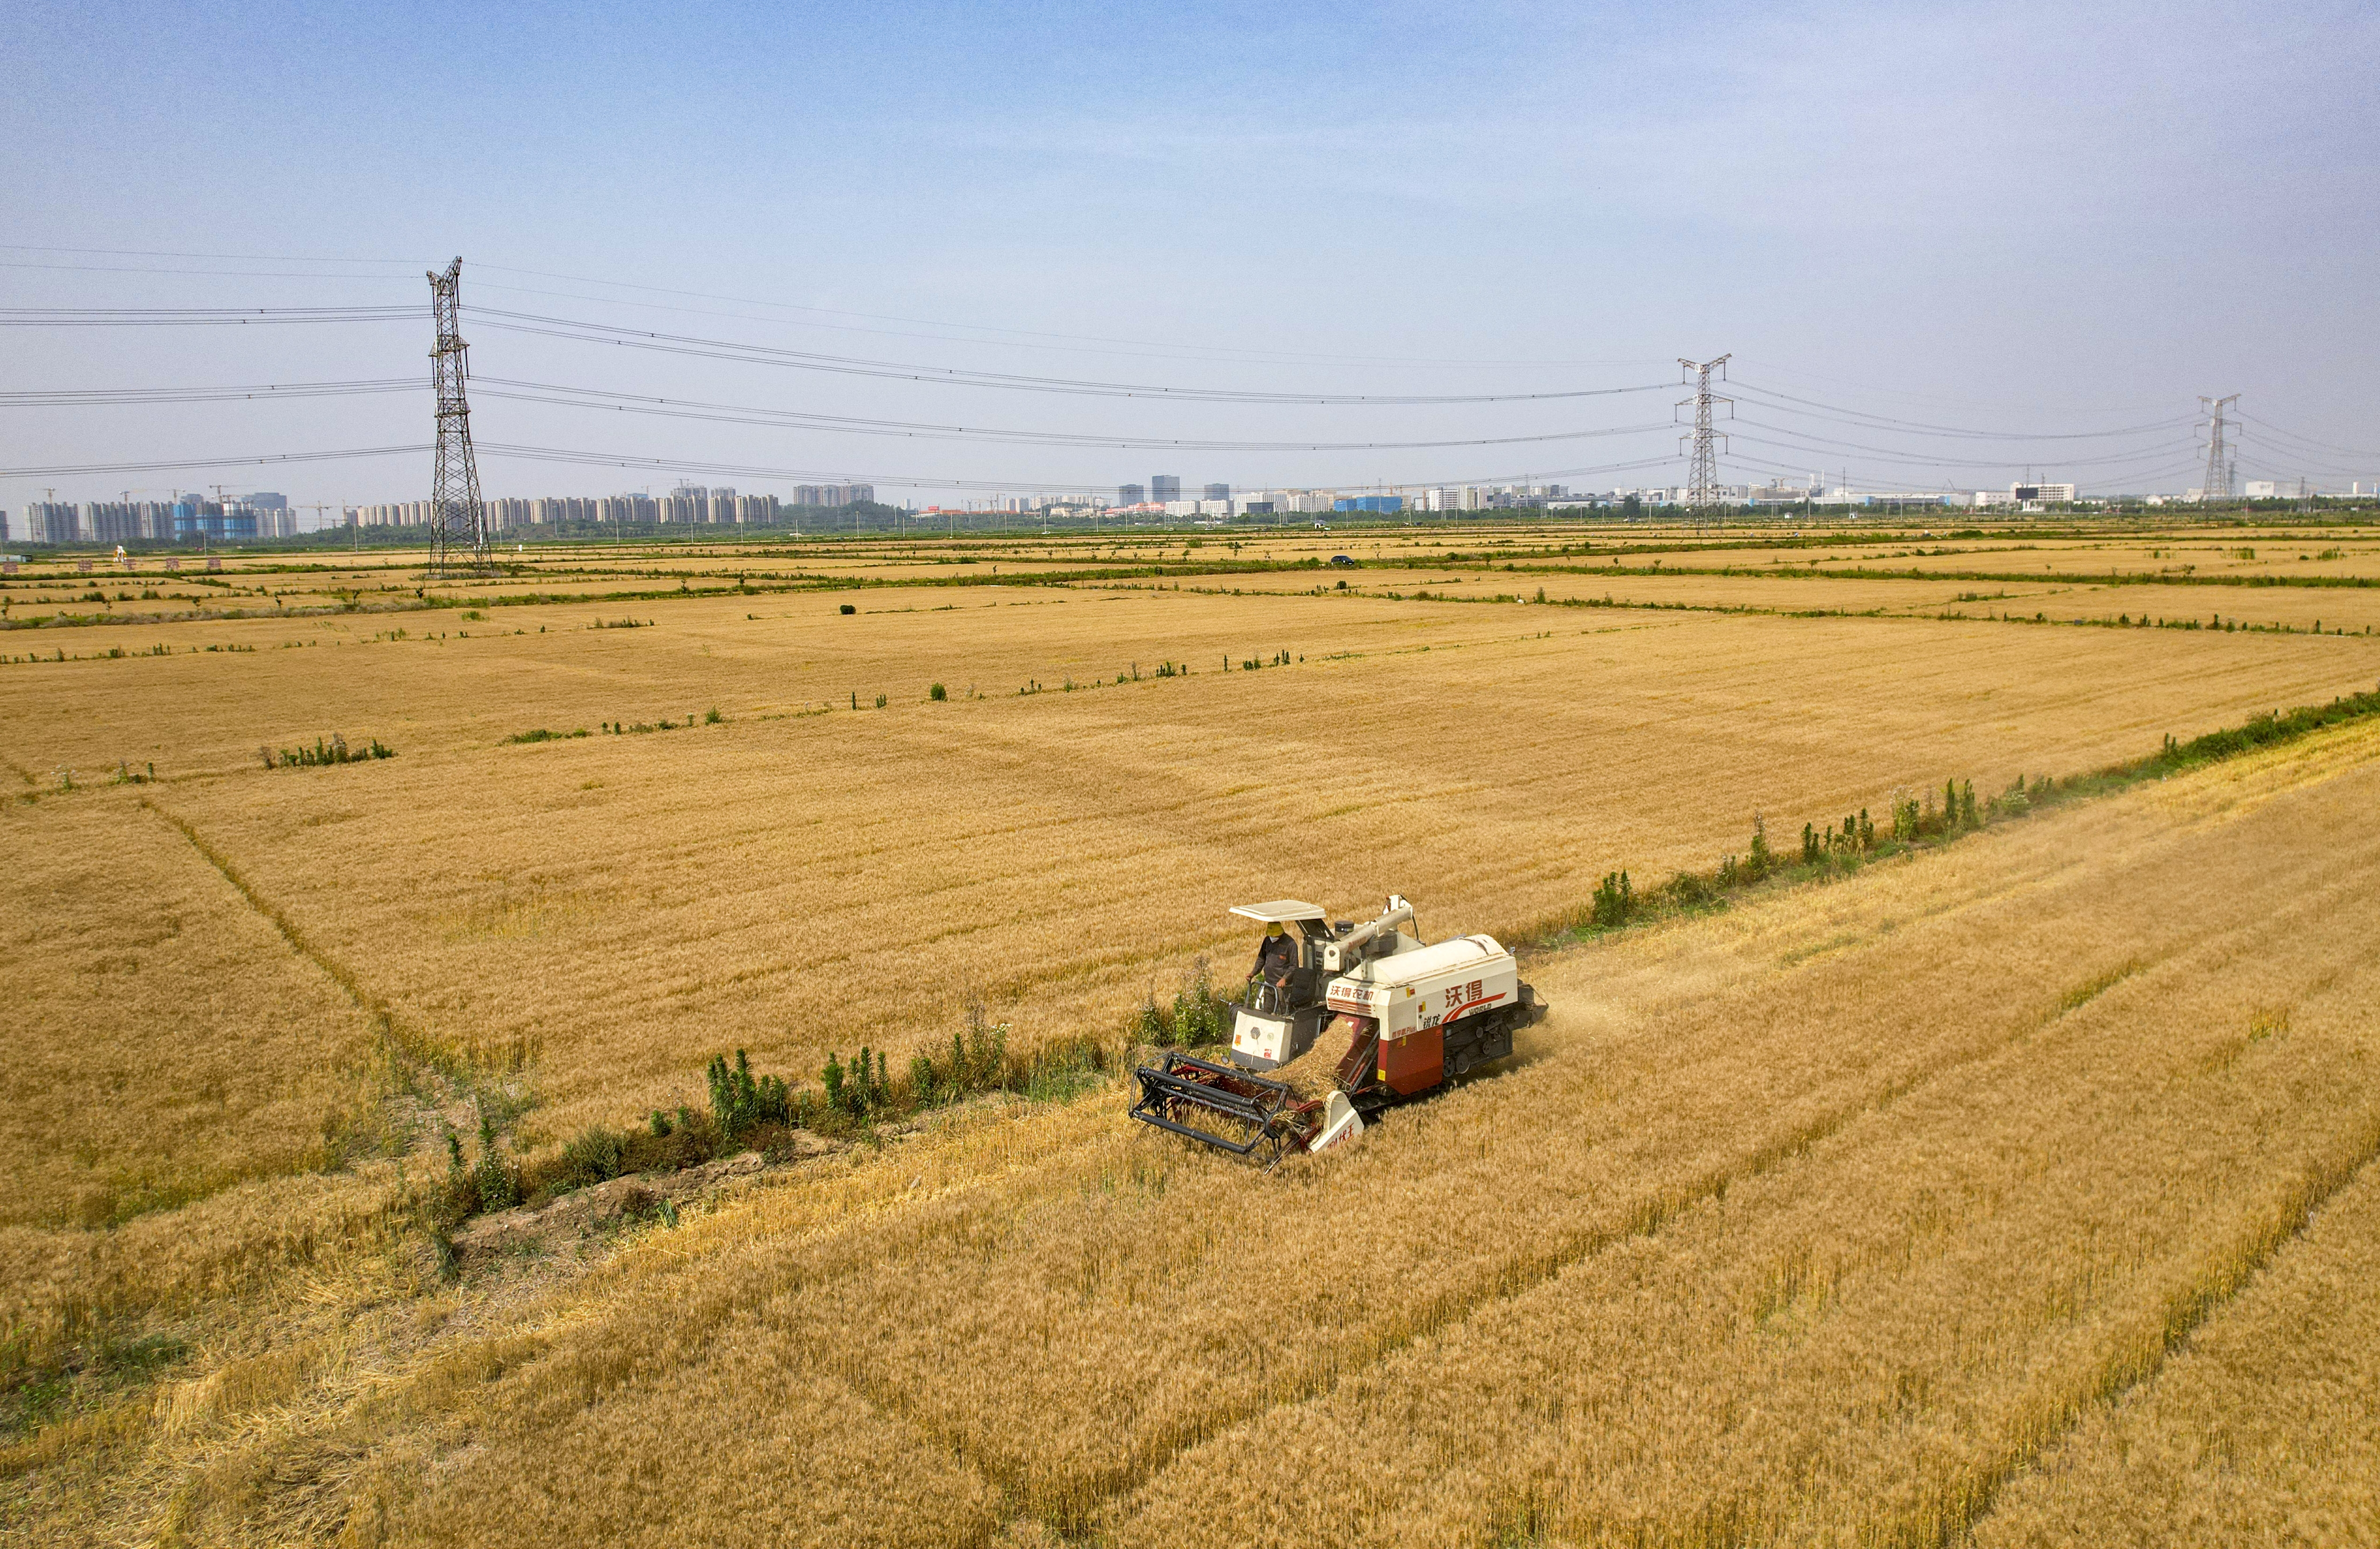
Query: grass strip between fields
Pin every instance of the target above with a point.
(1918, 825)
(760, 1112)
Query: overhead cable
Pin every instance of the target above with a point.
(62, 469)
(1874, 421)
(1173, 348)
(88, 397)
(165, 317)
(2292, 436)
(684, 464)
(1928, 459)
(736, 414)
(724, 349)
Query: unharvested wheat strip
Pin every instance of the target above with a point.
(696, 1307)
(1063, 1297)
(1291, 1252)
(738, 1451)
(634, 904)
(1860, 1341)
(2265, 1429)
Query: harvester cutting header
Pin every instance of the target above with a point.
(1412, 1016)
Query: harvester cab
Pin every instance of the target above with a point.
(1287, 1003)
(1412, 1016)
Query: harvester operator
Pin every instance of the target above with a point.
(1275, 960)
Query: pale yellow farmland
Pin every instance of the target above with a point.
(165, 1040)
(1915, 1174)
(2353, 610)
(803, 877)
(1899, 1208)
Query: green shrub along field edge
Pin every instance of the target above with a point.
(1919, 822)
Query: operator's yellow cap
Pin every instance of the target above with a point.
(1273, 929)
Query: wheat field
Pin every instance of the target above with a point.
(1832, 1218)
(1918, 1206)
(629, 905)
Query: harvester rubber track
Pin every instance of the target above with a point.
(1245, 1115)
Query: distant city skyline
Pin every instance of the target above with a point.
(1366, 247)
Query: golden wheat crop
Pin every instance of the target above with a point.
(1817, 1221)
(2263, 1430)
(164, 1040)
(796, 883)
(2068, 1073)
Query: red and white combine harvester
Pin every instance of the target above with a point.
(1412, 1016)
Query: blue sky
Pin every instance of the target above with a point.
(2008, 217)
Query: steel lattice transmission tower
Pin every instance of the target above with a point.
(1702, 486)
(458, 518)
(2217, 487)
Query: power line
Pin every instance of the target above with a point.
(1936, 397)
(736, 414)
(201, 273)
(242, 258)
(2287, 435)
(723, 349)
(1128, 345)
(1872, 422)
(480, 266)
(565, 397)
(1921, 459)
(92, 397)
(179, 316)
(163, 465)
(683, 465)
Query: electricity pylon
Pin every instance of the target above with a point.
(458, 518)
(1702, 484)
(2217, 488)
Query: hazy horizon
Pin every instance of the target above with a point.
(2005, 220)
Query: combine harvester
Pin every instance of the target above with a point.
(1414, 1017)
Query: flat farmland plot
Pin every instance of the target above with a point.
(630, 905)
(1879, 1209)
(1830, 1219)
(165, 1040)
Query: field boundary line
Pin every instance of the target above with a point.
(1649, 1215)
(1652, 1214)
(392, 1035)
(2038, 1420)
(2140, 1359)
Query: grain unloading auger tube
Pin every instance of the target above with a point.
(1415, 1016)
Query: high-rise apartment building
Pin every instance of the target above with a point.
(1165, 487)
(112, 521)
(51, 522)
(399, 513)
